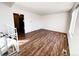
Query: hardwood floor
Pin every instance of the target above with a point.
(45, 43)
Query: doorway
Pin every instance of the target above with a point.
(19, 25)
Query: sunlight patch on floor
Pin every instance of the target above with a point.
(21, 42)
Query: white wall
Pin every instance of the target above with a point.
(5, 17)
(32, 21)
(73, 21)
(74, 34)
(56, 22)
(75, 40)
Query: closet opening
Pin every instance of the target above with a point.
(19, 24)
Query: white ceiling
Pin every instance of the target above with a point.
(44, 8)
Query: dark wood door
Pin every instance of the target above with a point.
(16, 21)
(19, 24)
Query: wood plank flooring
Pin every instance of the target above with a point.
(45, 43)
